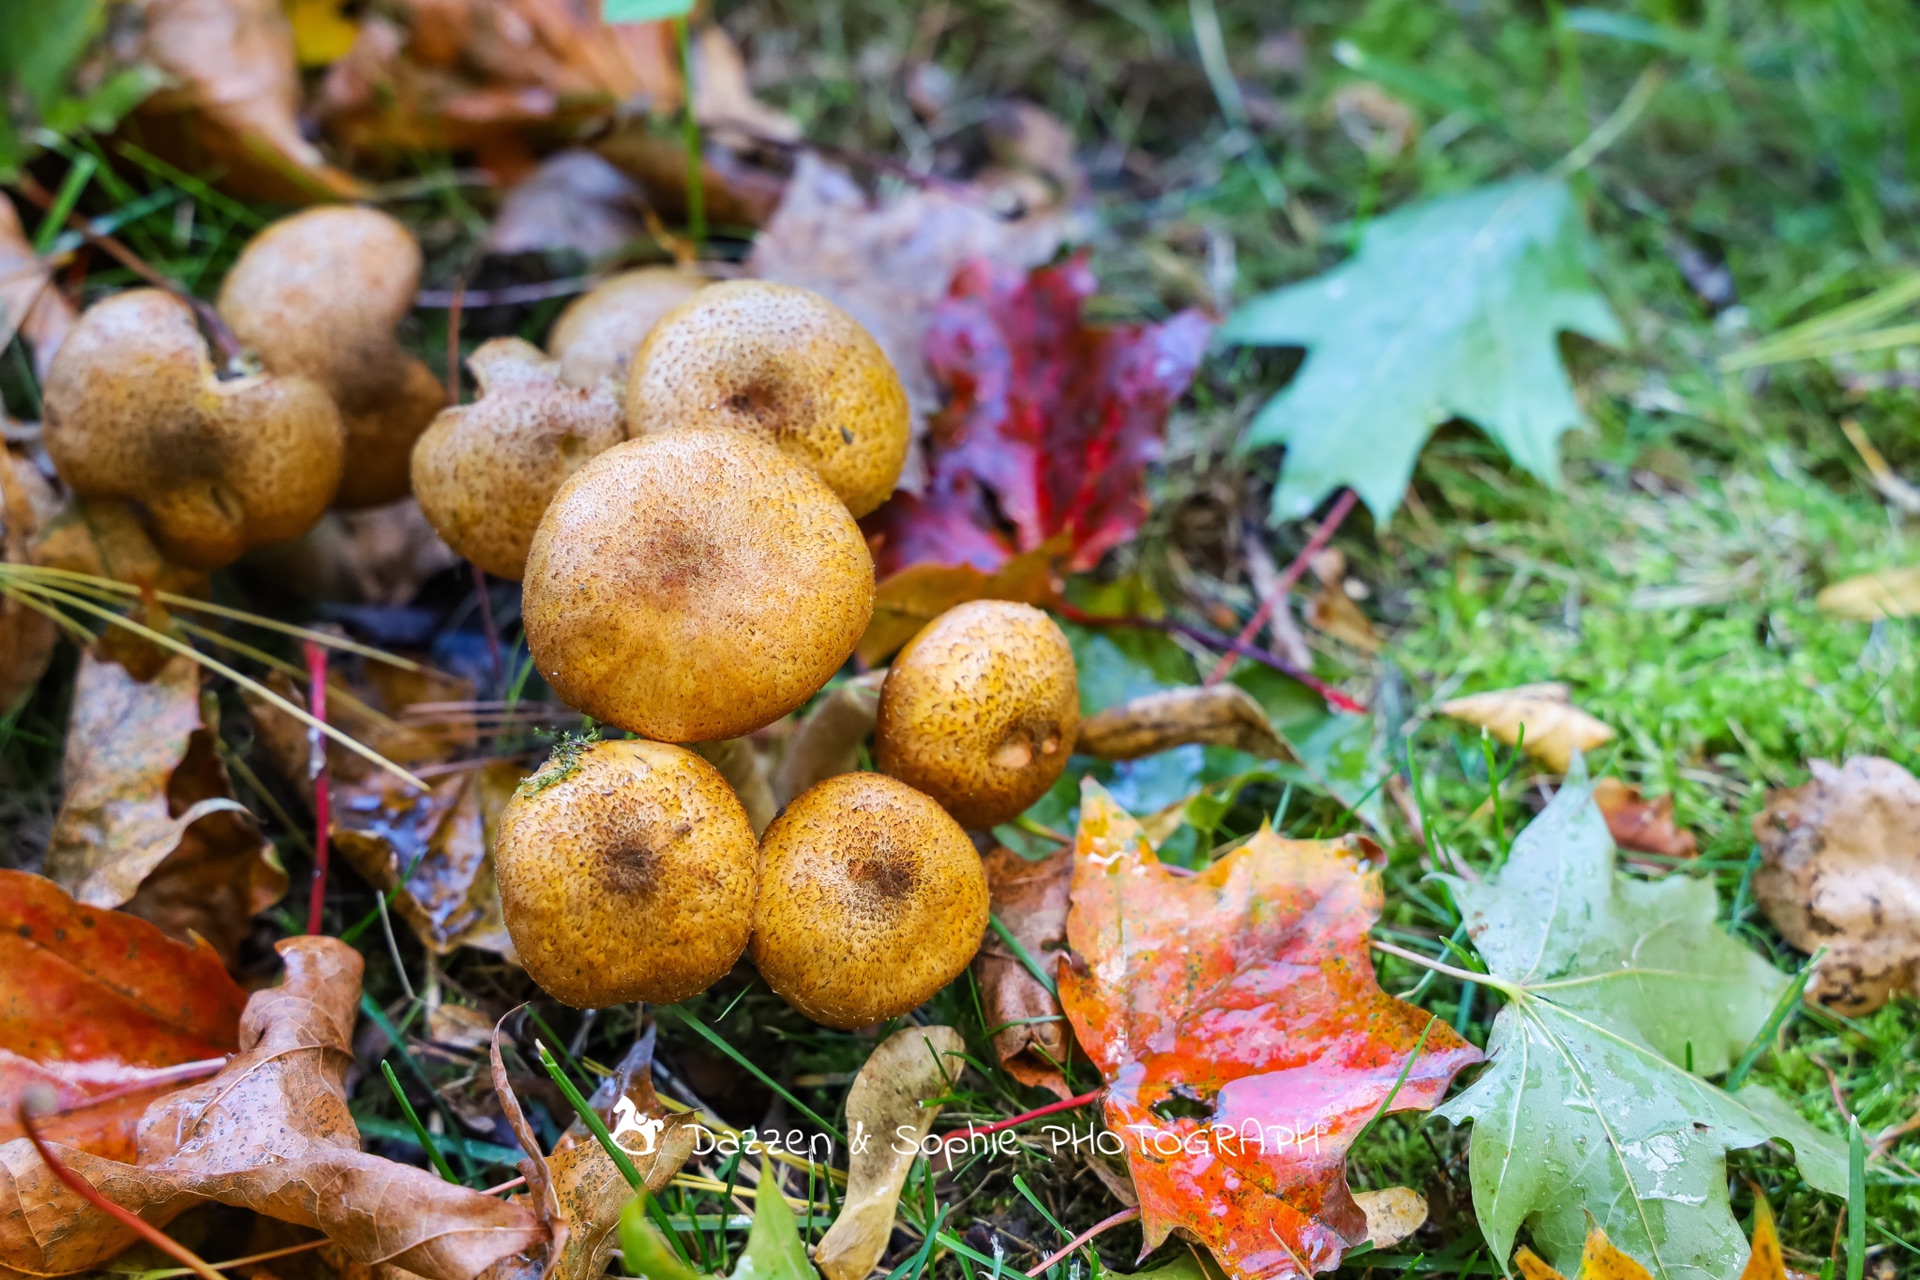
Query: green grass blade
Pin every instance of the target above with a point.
(419, 1130)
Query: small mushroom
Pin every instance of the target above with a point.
(596, 336)
(694, 585)
(871, 900)
(626, 873)
(134, 410)
(485, 472)
(786, 365)
(981, 710)
(319, 294)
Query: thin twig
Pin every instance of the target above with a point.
(460, 297)
(1105, 1224)
(1317, 543)
(322, 784)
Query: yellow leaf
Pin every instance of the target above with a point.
(919, 593)
(1555, 728)
(1890, 593)
(1766, 1261)
(321, 33)
(1602, 1261)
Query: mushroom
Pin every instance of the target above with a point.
(626, 872)
(980, 710)
(484, 472)
(319, 294)
(694, 585)
(596, 336)
(133, 410)
(786, 365)
(871, 899)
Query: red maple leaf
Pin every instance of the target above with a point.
(1050, 424)
(1243, 1037)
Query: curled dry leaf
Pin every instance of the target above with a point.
(271, 1133)
(828, 740)
(1890, 593)
(1244, 1039)
(1222, 715)
(1393, 1214)
(148, 820)
(1640, 824)
(885, 1124)
(1840, 869)
(1030, 899)
(1555, 728)
(27, 636)
(100, 1002)
(30, 304)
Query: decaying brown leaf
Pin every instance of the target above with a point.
(574, 200)
(104, 537)
(372, 555)
(908, 600)
(1393, 1214)
(1030, 899)
(1890, 593)
(1555, 728)
(741, 763)
(148, 821)
(1640, 824)
(30, 305)
(723, 99)
(910, 1066)
(271, 1133)
(828, 740)
(889, 264)
(371, 709)
(1332, 612)
(1840, 869)
(27, 636)
(1217, 715)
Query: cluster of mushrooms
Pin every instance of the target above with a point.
(676, 486)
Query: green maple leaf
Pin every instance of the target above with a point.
(1611, 984)
(1450, 309)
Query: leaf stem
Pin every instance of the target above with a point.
(1067, 1104)
(1342, 505)
(1501, 985)
(1125, 1215)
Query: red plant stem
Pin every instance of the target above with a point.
(486, 622)
(322, 784)
(1125, 1215)
(1315, 545)
(1068, 1105)
(1214, 640)
(126, 1218)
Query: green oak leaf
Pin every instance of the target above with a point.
(1584, 1107)
(1450, 309)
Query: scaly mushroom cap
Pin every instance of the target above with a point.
(596, 336)
(786, 365)
(319, 294)
(871, 899)
(134, 411)
(981, 710)
(485, 472)
(694, 585)
(626, 873)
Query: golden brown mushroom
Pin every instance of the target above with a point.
(596, 336)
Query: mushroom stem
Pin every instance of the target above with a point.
(741, 765)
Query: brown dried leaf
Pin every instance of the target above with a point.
(30, 304)
(1030, 899)
(827, 743)
(27, 636)
(1393, 1214)
(741, 763)
(372, 555)
(1217, 715)
(884, 1107)
(1332, 612)
(148, 821)
(574, 201)
(371, 710)
(104, 537)
(916, 595)
(1555, 728)
(1840, 868)
(271, 1133)
(889, 264)
(723, 100)
(1640, 824)
(1890, 593)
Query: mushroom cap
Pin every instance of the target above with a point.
(319, 294)
(981, 710)
(626, 873)
(694, 585)
(871, 900)
(485, 472)
(134, 411)
(596, 336)
(786, 365)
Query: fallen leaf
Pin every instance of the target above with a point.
(1030, 899)
(1450, 309)
(271, 1133)
(737, 191)
(104, 537)
(1640, 824)
(322, 33)
(1393, 1214)
(909, 598)
(575, 201)
(1840, 869)
(1332, 612)
(910, 1067)
(147, 817)
(1236, 1010)
(97, 1003)
(30, 304)
(828, 740)
(723, 100)
(1612, 984)
(235, 97)
(1890, 593)
(1600, 1259)
(1217, 715)
(372, 708)
(744, 767)
(27, 636)
(888, 263)
(1054, 418)
(1555, 728)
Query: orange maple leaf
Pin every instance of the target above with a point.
(1245, 1041)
